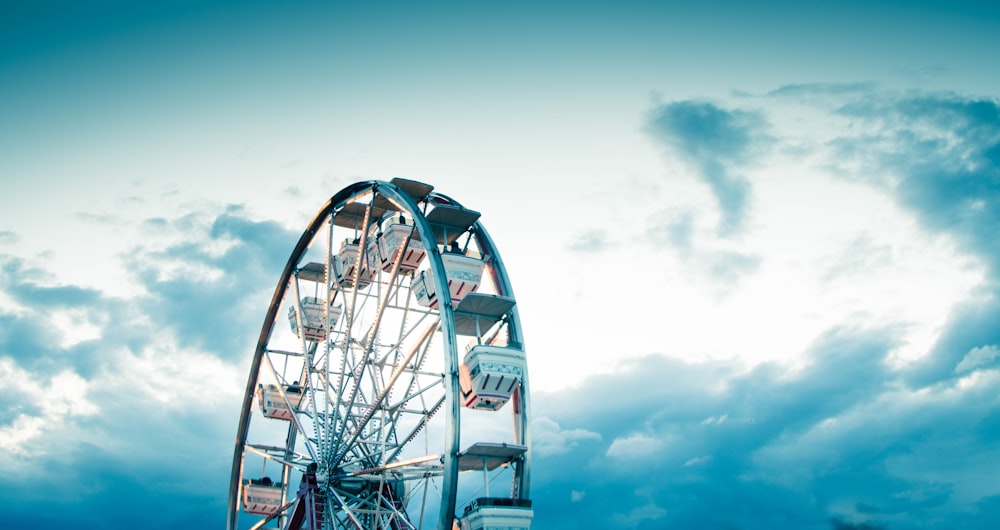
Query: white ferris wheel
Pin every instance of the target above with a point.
(386, 375)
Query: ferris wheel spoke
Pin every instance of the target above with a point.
(362, 244)
(343, 349)
(338, 402)
(414, 392)
(268, 453)
(346, 509)
(393, 516)
(425, 484)
(397, 372)
(390, 287)
(424, 420)
(351, 399)
(408, 364)
(332, 415)
(416, 375)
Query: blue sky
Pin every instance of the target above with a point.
(754, 247)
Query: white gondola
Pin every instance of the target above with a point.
(464, 274)
(273, 406)
(489, 375)
(261, 497)
(346, 266)
(487, 513)
(312, 318)
(383, 248)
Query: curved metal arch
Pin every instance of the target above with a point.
(502, 282)
(453, 418)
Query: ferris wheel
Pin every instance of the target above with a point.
(386, 375)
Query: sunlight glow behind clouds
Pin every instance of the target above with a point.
(182, 379)
(815, 250)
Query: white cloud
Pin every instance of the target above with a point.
(594, 240)
(978, 357)
(66, 395)
(549, 439)
(698, 460)
(634, 446)
(14, 438)
(167, 270)
(179, 378)
(713, 420)
(51, 403)
(647, 512)
(77, 325)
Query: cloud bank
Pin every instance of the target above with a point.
(841, 443)
(118, 410)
